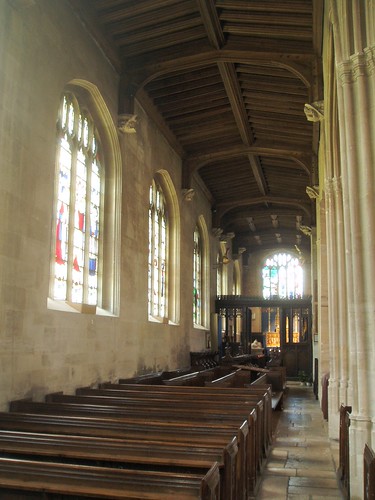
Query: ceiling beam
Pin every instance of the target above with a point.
(196, 162)
(211, 23)
(233, 90)
(223, 208)
(145, 73)
(258, 174)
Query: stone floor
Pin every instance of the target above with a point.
(303, 460)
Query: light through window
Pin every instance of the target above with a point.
(282, 277)
(197, 278)
(78, 206)
(157, 253)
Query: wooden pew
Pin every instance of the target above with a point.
(263, 434)
(158, 413)
(190, 401)
(238, 379)
(272, 377)
(210, 426)
(168, 393)
(17, 477)
(180, 412)
(262, 392)
(368, 473)
(344, 457)
(182, 402)
(122, 428)
(155, 455)
(228, 380)
(156, 378)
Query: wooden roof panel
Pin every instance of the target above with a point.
(227, 82)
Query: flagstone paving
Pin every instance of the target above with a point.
(303, 461)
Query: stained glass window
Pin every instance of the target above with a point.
(78, 206)
(219, 276)
(197, 278)
(282, 277)
(157, 253)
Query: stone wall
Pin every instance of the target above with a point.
(43, 47)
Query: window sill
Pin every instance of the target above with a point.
(162, 321)
(64, 306)
(200, 327)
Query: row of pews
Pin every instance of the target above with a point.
(154, 437)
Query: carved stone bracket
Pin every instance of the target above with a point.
(314, 112)
(227, 236)
(240, 251)
(127, 123)
(188, 194)
(312, 192)
(305, 230)
(217, 232)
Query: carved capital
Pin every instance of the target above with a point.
(359, 65)
(127, 123)
(314, 112)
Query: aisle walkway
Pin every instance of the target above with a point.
(302, 461)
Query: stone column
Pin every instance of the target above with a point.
(351, 22)
(341, 287)
(357, 113)
(333, 314)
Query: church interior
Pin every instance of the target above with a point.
(187, 185)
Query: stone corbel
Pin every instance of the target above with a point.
(305, 230)
(312, 192)
(227, 236)
(314, 112)
(240, 251)
(217, 232)
(188, 194)
(127, 123)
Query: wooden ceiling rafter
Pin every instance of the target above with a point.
(291, 63)
(226, 82)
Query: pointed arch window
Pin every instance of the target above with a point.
(157, 253)
(282, 277)
(197, 278)
(78, 206)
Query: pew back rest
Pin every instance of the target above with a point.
(262, 380)
(91, 482)
(368, 473)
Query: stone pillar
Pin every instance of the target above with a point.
(357, 113)
(350, 34)
(341, 287)
(333, 315)
(323, 280)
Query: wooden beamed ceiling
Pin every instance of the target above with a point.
(227, 82)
